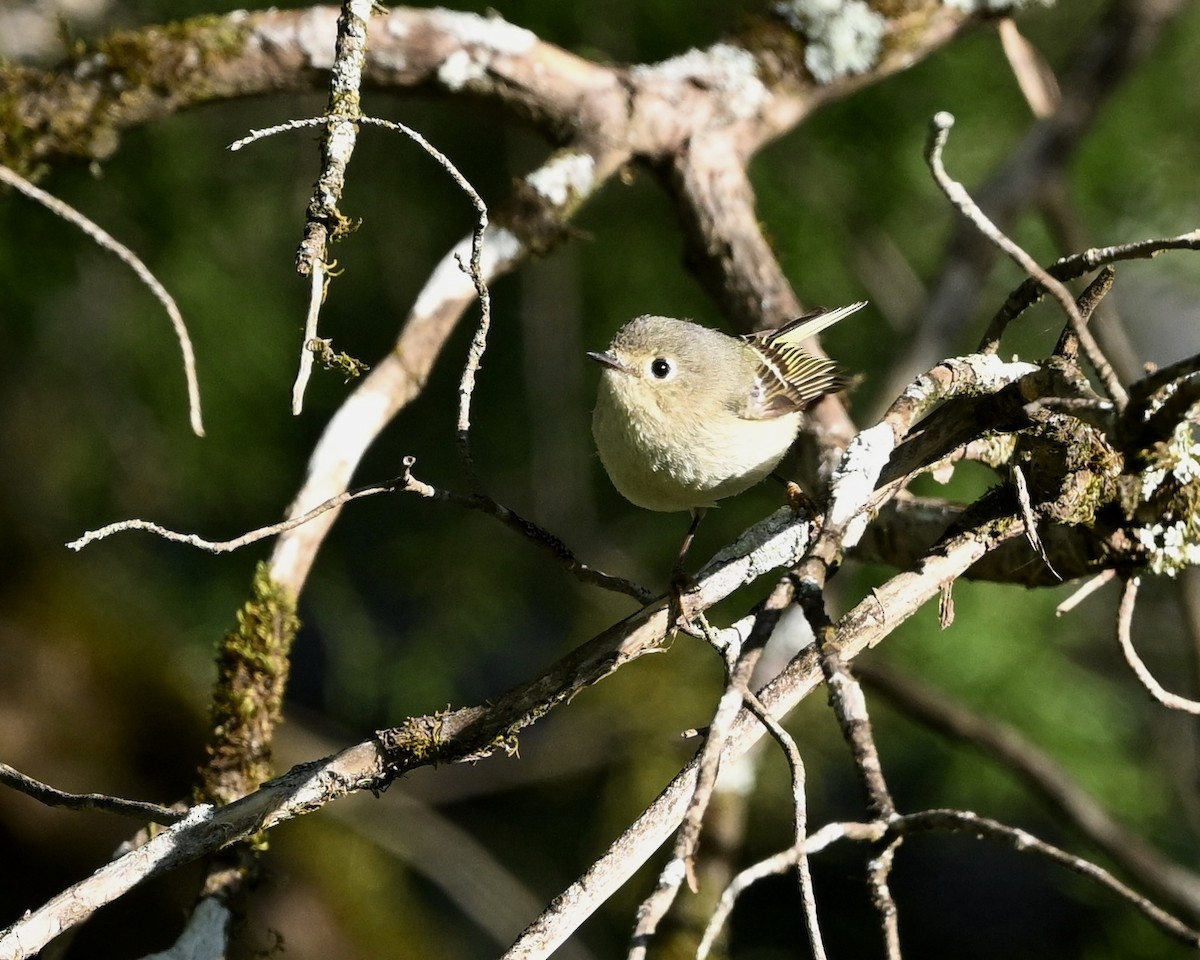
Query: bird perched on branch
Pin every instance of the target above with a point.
(686, 416)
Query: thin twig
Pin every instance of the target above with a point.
(316, 295)
(324, 223)
(957, 194)
(1088, 301)
(850, 706)
(466, 388)
(405, 483)
(962, 821)
(1044, 776)
(53, 797)
(473, 268)
(681, 866)
(879, 870)
(228, 546)
(1083, 592)
(531, 531)
(808, 896)
(129, 258)
(1124, 623)
(1076, 265)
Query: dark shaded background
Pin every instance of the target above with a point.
(106, 655)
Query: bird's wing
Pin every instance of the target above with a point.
(789, 378)
(809, 325)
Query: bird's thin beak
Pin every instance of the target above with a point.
(609, 360)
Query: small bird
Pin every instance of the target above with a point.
(686, 416)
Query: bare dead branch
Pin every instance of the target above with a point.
(405, 483)
(324, 222)
(962, 821)
(1076, 265)
(958, 195)
(862, 627)
(1043, 775)
(739, 665)
(52, 797)
(462, 735)
(107, 242)
(1145, 677)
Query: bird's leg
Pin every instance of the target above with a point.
(798, 500)
(682, 584)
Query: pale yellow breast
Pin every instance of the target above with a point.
(687, 461)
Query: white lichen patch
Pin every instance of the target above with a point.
(478, 41)
(393, 59)
(493, 32)
(397, 24)
(461, 68)
(314, 34)
(565, 176)
(854, 480)
(449, 283)
(994, 6)
(844, 37)
(729, 70)
(1174, 545)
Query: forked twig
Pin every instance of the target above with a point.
(956, 193)
(473, 268)
(1076, 265)
(406, 483)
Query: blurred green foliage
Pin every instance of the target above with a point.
(105, 656)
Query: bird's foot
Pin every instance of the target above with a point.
(683, 599)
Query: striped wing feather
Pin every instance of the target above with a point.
(789, 378)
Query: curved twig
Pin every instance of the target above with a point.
(939, 130)
(1124, 625)
(129, 258)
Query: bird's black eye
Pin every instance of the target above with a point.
(661, 368)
